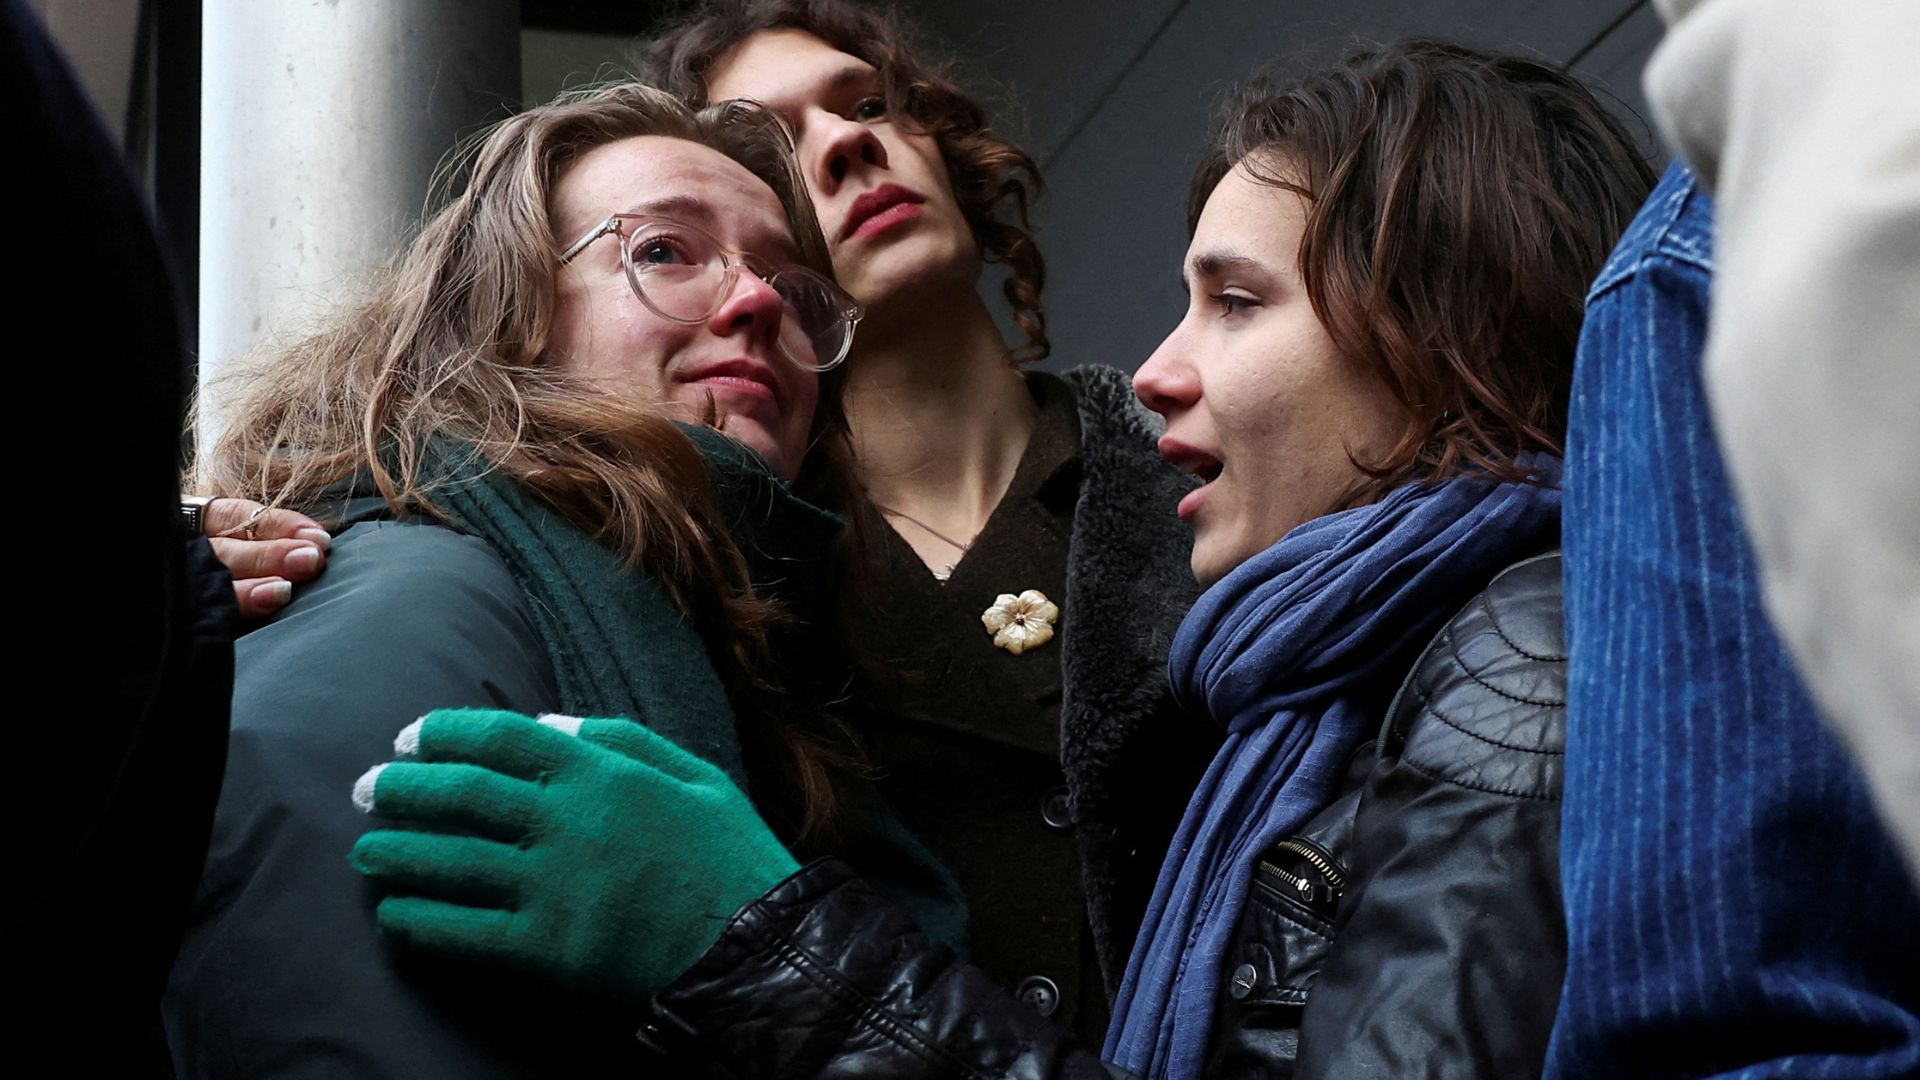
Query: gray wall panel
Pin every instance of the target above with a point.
(1044, 65)
(1113, 226)
(1615, 64)
(1113, 98)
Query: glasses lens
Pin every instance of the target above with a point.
(816, 309)
(678, 271)
(681, 273)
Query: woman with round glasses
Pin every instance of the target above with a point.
(683, 275)
(516, 435)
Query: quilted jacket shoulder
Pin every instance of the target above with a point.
(1485, 707)
(1451, 919)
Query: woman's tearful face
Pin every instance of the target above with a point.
(729, 364)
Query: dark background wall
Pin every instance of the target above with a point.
(1117, 98)
(1112, 97)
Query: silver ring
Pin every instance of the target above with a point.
(248, 528)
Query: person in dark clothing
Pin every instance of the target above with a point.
(1048, 775)
(125, 718)
(1371, 383)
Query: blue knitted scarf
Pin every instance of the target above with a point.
(1288, 653)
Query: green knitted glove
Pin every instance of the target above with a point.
(609, 870)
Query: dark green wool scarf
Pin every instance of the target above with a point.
(618, 645)
(620, 648)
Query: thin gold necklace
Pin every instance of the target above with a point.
(947, 571)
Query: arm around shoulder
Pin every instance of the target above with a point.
(282, 971)
(407, 618)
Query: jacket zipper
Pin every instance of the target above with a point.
(1297, 887)
(1319, 858)
(1321, 899)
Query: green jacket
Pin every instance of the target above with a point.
(281, 972)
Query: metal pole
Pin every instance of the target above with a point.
(321, 123)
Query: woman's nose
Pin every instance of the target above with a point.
(750, 304)
(839, 146)
(1167, 382)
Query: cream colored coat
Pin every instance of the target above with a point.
(1804, 119)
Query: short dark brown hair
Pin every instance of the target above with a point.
(993, 179)
(1459, 204)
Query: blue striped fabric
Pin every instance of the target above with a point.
(1734, 908)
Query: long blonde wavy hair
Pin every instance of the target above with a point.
(452, 343)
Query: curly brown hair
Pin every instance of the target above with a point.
(993, 180)
(452, 343)
(1459, 203)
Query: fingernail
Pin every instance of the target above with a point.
(273, 593)
(363, 787)
(569, 725)
(303, 558)
(318, 536)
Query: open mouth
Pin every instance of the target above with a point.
(1194, 462)
(1191, 460)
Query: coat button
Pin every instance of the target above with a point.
(1040, 992)
(1057, 810)
(1244, 981)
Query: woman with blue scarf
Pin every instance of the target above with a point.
(1385, 282)
(1370, 383)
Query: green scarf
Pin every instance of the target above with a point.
(619, 647)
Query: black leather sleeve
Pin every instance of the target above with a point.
(823, 978)
(1449, 952)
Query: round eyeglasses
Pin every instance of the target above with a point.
(684, 275)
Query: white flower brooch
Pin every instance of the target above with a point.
(1023, 622)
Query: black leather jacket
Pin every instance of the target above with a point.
(1411, 929)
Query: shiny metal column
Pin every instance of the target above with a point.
(322, 122)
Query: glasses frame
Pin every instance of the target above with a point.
(851, 310)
